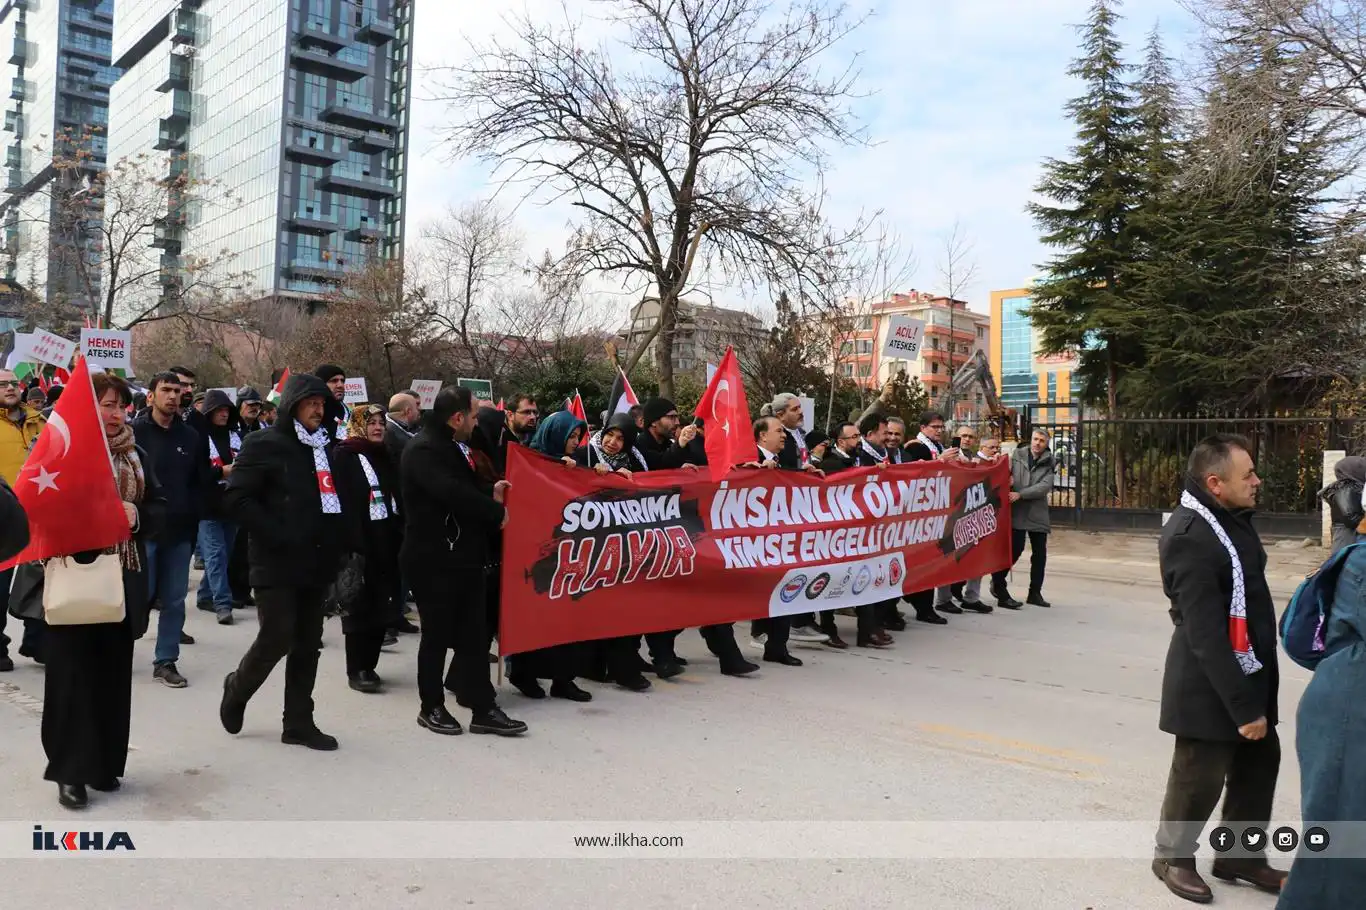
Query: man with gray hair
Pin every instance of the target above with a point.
(1031, 482)
(401, 424)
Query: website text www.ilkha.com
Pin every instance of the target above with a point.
(620, 839)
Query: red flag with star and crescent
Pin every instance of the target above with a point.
(725, 412)
(67, 485)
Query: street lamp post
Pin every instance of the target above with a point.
(389, 359)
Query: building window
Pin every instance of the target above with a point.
(934, 367)
(866, 324)
(981, 332)
(934, 344)
(848, 369)
(865, 347)
(865, 369)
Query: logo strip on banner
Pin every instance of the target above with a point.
(757, 544)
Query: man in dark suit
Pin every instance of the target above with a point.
(450, 517)
(769, 436)
(1219, 686)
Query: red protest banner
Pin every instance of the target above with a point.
(588, 556)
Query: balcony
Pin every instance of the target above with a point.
(84, 88)
(166, 236)
(357, 185)
(170, 136)
(312, 152)
(321, 63)
(373, 142)
(14, 123)
(14, 157)
(98, 50)
(309, 223)
(17, 89)
(183, 27)
(376, 33)
(177, 74)
(180, 107)
(19, 54)
(345, 115)
(314, 34)
(366, 232)
(315, 270)
(15, 180)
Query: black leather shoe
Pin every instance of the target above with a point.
(951, 608)
(390, 639)
(186, 639)
(73, 796)
(787, 660)
(1183, 882)
(1261, 876)
(637, 683)
(439, 720)
(682, 661)
(365, 681)
(496, 722)
(1005, 601)
(738, 667)
(976, 606)
(528, 687)
(231, 711)
(312, 738)
(667, 669)
(1035, 599)
(405, 627)
(932, 618)
(895, 624)
(570, 691)
(113, 785)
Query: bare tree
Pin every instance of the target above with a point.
(957, 269)
(693, 134)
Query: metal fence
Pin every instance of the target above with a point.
(1124, 472)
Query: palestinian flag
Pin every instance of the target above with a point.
(622, 397)
(279, 390)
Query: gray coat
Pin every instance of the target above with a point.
(1033, 484)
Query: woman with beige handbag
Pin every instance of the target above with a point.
(95, 605)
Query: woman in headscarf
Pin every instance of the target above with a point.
(613, 451)
(88, 689)
(558, 438)
(1344, 499)
(367, 483)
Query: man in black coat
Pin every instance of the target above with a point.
(281, 490)
(401, 423)
(179, 457)
(335, 377)
(450, 517)
(1219, 686)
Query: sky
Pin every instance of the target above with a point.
(965, 99)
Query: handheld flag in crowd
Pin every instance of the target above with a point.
(622, 397)
(279, 390)
(67, 485)
(725, 414)
(575, 406)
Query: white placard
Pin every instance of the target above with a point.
(426, 390)
(355, 390)
(44, 347)
(904, 336)
(108, 348)
(808, 413)
(231, 393)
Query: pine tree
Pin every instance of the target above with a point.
(1242, 283)
(1080, 302)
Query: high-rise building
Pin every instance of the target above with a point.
(1025, 375)
(57, 111)
(292, 115)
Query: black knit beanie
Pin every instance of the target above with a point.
(655, 409)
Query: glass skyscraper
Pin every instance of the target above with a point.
(292, 113)
(58, 106)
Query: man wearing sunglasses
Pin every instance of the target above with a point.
(19, 428)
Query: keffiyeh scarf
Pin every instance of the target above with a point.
(1237, 611)
(803, 454)
(929, 443)
(622, 459)
(327, 489)
(381, 507)
(873, 453)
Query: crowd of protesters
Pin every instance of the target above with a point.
(310, 509)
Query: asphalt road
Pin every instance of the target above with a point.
(1041, 716)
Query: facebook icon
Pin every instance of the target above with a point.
(1221, 840)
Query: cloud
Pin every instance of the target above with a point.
(965, 100)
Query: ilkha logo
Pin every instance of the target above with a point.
(80, 840)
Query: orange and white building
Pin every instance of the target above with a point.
(953, 335)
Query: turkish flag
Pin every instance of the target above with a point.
(575, 407)
(729, 434)
(67, 483)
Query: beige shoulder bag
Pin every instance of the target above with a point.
(83, 594)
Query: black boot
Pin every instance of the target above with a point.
(231, 710)
(311, 737)
(567, 689)
(496, 722)
(1035, 599)
(1003, 598)
(365, 681)
(737, 666)
(73, 796)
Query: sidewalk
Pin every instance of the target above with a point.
(1132, 558)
